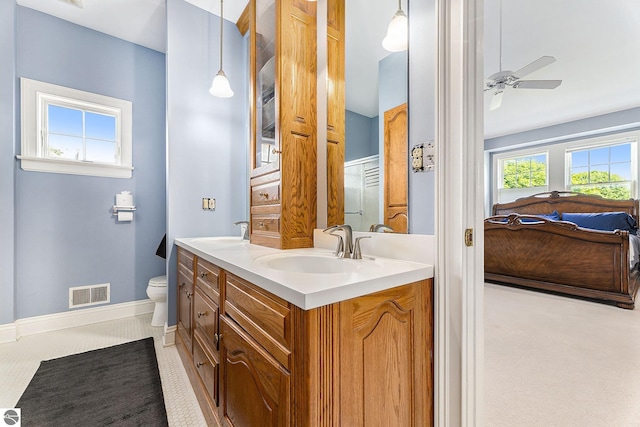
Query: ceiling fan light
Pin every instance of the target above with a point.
(220, 86)
(396, 38)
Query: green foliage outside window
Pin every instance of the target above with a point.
(524, 173)
(583, 182)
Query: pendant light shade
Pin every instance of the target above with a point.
(396, 38)
(220, 86)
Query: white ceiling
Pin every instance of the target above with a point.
(595, 43)
(143, 22)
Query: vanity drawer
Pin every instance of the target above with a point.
(265, 224)
(205, 314)
(266, 317)
(208, 278)
(185, 259)
(268, 194)
(207, 366)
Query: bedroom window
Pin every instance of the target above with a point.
(522, 176)
(70, 131)
(604, 170)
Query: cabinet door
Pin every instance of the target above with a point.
(185, 297)
(254, 387)
(386, 377)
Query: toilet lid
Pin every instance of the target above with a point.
(158, 281)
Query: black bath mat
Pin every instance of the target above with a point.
(117, 386)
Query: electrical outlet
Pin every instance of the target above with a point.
(208, 204)
(417, 158)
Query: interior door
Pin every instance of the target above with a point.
(396, 165)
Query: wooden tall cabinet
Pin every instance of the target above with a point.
(283, 123)
(335, 111)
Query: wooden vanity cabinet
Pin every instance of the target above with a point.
(185, 296)
(367, 361)
(283, 122)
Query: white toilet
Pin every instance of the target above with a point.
(157, 292)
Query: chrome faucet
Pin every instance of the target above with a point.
(345, 247)
(380, 228)
(245, 235)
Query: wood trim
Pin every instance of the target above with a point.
(244, 20)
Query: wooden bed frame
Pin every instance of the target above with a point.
(558, 256)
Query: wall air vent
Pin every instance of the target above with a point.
(82, 296)
(77, 3)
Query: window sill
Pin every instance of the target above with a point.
(37, 164)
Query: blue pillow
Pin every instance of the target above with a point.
(553, 216)
(607, 221)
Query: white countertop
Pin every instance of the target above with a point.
(303, 289)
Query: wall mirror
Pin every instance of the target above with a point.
(376, 86)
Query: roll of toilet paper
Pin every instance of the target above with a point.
(125, 216)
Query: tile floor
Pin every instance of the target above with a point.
(20, 360)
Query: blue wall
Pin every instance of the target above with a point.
(65, 234)
(422, 103)
(361, 134)
(7, 160)
(624, 120)
(207, 136)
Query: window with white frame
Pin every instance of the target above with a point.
(521, 176)
(602, 170)
(70, 131)
(602, 165)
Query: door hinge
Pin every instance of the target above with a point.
(468, 237)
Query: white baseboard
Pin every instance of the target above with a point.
(7, 332)
(70, 319)
(169, 337)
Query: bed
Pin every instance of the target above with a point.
(528, 243)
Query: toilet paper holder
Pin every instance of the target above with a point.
(124, 203)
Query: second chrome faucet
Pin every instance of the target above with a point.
(346, 248)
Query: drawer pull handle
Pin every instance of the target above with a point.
(202, 313)
(265, 195)
(182, 284)
(217, 338)
(189, 295)
(274, 151)
(200, 364)
(203, 274)
(261, 224)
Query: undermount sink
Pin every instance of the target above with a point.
(309, 263)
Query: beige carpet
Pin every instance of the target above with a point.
(558, 361)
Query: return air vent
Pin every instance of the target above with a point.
(82, 296)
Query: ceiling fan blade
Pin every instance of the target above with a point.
(534, 66)
(496, 101)
(537, 84)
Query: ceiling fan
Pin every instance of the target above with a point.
(503, 79)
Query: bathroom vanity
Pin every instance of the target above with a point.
(302, 338)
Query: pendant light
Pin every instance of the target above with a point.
(396, 38)
(220, 86)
